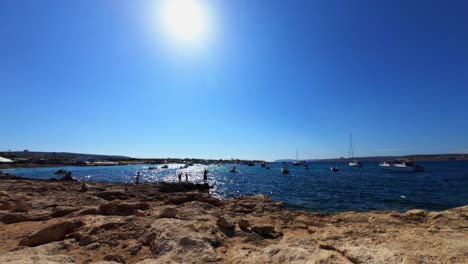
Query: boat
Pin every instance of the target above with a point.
(267, 167)
(306, 167)
(153, 168)
(285, 170)
(352, 163)
(298, 163)
(164, 166)
(401, 165)
(234, 169)
(251, 164)
(334, 169)
(263, 165)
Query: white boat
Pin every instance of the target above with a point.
(352, 163)
(401, 165)
(285, 170)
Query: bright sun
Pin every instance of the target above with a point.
(185, 20)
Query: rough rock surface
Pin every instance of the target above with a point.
(182, 223)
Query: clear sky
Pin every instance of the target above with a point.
(260, 79)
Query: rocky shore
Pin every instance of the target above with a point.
(43, 221)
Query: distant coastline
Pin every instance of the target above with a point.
(418, 157)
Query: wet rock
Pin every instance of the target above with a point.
(225, 222)
(55, 232)
(168, 213)
(119, 208)
(243, 224)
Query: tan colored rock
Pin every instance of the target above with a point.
(51, 233)
(225, 222)
(121, 208)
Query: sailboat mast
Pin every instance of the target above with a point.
(351, 150)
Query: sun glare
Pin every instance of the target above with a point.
(185, 20)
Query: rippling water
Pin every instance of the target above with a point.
(444, 184)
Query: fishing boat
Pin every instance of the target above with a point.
(334, 169)
(234, 169)
(352, 163)
(285, 170)
(153, 168)
(401, 165)
(164, 166)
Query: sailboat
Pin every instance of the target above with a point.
(352, 163)
(298, 163)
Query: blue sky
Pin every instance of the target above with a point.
(269, 77)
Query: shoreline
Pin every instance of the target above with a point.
(69, 221)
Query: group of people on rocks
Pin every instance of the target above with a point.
(205, 176)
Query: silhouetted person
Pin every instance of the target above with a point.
(180, 177)
(137, 179)
(205, 175)
(67, 176)
(186, 177)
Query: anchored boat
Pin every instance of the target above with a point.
(401, 165)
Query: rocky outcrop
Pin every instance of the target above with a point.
(51, 233)
(64, 222)
(120, 208)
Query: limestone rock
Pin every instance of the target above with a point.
(120, 208)
(168, 213)
(225, 222)
(263, 229)
(51, 233)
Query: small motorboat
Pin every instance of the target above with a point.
(153, 168)
(334, 169)
(234, 169)
(401, 165)
(263, 165)
(251, 164)
(285, 170)
(164, 166)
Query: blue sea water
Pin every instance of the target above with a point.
(443, 185)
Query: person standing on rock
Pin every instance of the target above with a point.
(205, 175)
(186, 177)
(180, 177)
(137, 179)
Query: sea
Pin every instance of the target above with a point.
(443, 184)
